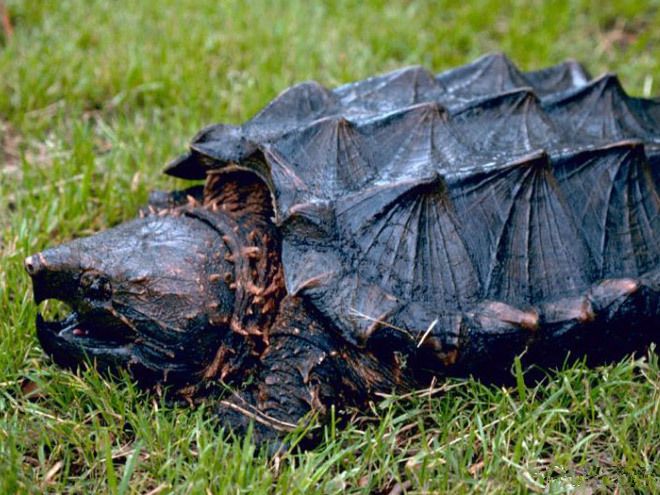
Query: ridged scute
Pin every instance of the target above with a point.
(523, 238)
(603, 111)
(417, 194)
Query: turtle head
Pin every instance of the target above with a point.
(150, 295)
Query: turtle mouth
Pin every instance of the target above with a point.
(90, 329)
(79, 336)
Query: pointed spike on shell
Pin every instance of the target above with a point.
(529, 320)
(611, 291)
(568, 309)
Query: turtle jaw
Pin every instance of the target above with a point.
(74, 340)
(93, 330)
(109, 342)
(106, 340)
(70, 344)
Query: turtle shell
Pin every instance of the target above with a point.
(409, 196)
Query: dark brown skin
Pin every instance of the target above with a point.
(449, 224)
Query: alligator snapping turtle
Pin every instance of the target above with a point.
(374, 236)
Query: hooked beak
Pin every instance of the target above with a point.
(52, 273)
(89, 335)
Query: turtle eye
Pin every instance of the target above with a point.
(95, 285)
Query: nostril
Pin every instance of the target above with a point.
(34, 264)
(31, 265)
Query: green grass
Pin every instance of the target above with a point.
(96, 96)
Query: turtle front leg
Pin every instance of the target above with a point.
(305, 370)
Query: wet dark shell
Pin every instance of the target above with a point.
(438, 192)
